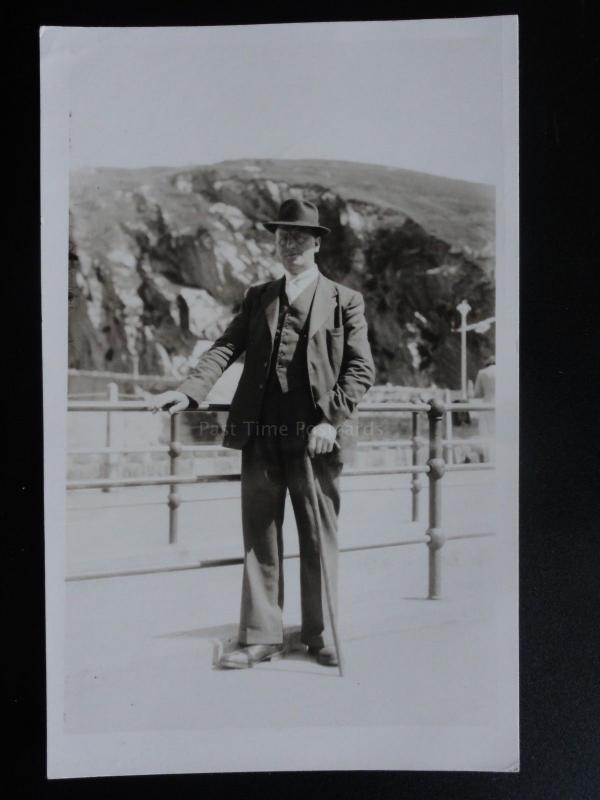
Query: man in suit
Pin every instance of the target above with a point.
(308, 364)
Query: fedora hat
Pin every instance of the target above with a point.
(297, 214)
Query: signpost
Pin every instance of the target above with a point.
(463, 308)
(478, 327)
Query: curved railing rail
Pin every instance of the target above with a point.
(435, 467)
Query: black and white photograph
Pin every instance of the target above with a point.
(280, 355)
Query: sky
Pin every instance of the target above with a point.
(424, 95)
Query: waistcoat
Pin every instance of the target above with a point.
(288, 362)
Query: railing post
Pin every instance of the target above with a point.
(113, 397)
(449, 430)
(436, 470)
(415, 485)
(174, 499)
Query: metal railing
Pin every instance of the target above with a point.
(434, 468)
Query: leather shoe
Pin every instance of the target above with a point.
(252, 654)
(325, 655)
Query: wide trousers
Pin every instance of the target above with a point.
(274, 463)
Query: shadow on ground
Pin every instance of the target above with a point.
(224, 639)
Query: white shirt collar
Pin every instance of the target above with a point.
(294, 284)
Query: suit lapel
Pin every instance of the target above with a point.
(323, 302)
(270, 304)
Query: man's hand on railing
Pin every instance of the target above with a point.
(168, 401)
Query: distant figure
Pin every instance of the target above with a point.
(460, 417)
(485, 389)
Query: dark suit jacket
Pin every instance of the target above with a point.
(339, 364)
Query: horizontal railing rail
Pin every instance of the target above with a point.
(141, 405)
(100, 483)
(435, 467)
(237, 561)
(193, 448)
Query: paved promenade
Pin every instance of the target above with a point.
(128, 528)
(141, 650)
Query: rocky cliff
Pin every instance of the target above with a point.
(160, 259)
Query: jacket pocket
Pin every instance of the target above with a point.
(334, 332)
(335, 347)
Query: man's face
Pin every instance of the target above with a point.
(296, 248)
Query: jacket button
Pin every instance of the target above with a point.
(266, 364)
(260, 386)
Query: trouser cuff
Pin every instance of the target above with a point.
(248, 636)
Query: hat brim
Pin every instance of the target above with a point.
(318, 230)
